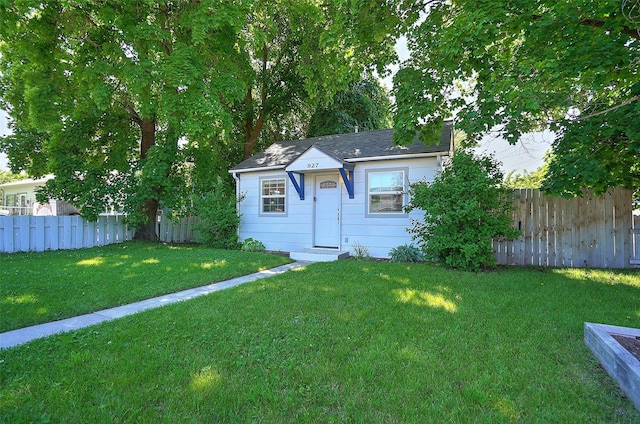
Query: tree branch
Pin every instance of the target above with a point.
(605, 111)
(265, 58)
(132, 112)
(93, 43)
(611, 109)
(599, 24)
(166, 46)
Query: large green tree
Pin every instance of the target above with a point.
(102, 93)
(8, 176)
(527, 179)
(365, 104)
(301, 54)
(520, 66)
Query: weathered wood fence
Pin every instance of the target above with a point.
(587, 231)
(180, 231)
(39, 233)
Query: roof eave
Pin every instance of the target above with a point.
(261, 168)
(27, 182)
(405, 156)
(350, 160)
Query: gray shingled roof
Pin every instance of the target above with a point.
(362, 145)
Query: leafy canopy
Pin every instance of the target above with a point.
(527, 179)
(600, 152)
(520, 66)
(365, 104)
(466, 207)
(101, 95)
(301, 54)
(8, 176)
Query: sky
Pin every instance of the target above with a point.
(526, 155)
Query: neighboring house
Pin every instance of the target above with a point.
(343, 192)
(19, 198)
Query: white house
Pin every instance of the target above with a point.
(19, 198)
(338, 192)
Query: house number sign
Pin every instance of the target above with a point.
(312, 165)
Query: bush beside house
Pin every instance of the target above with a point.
(467, 206)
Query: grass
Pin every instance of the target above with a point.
(345, 341)
(42, 287)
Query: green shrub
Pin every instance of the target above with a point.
(466, 206)
(406, 253)
(252, 245)
(218, 226)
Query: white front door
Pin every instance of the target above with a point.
(327, 210)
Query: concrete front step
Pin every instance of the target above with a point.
(319, 255)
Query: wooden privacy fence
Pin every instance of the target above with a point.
(180, 231)
(587, 231)
(39, 233)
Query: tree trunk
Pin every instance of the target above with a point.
(148, 127)
(251, 131)
(147, 230)
(251, 138)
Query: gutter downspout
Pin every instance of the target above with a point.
(236, 177)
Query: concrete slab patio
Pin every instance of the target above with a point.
(24, 335)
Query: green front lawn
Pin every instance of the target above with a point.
(41, 287)
(341, 342)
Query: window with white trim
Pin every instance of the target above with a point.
(273, 196)
(386, 191)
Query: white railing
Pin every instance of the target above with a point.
(16, 210)
(53, 207)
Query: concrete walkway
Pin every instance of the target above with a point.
(24, 335)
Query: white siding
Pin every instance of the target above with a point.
(287, 232)
(380, 235)
(313, 159)
(295, 230)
